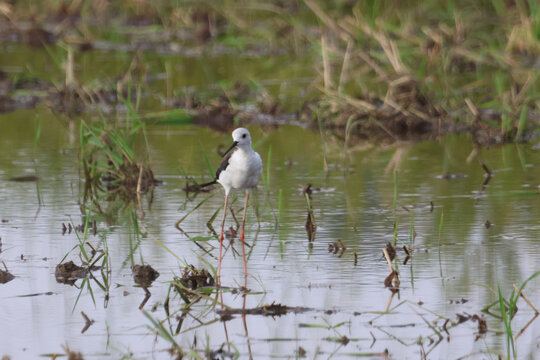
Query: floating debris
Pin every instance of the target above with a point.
(69, 273)
(340, 340)
(306, 189)
(193, 278)
(230, 233)
(482, 325)
(460, 301)
(461, 318)
(72, 355)
(337, 246)
(310, 227)
(392, 280)
(144, 275)
(82, 227)
(391, 250)
(24, 178)
(272, 309)
(5, 277)
(448, 176)
(88, 322)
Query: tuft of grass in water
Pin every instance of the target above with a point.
(109, 161)
(160, 330)
(280, 206)
(412, 237)
(441, 223)
(521, 123)
(394, 202)
(349, 127)
(411, 232)
(507, 316)
(507, 308)
(323, 138)
(396, 222)
(310, 209)
(266, 179)
(37, 135)
(108, 157)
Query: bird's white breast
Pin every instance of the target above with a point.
(243, 171)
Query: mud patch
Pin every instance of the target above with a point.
(5, 277)
(144, 275)
(69, 273)
(264, 310)
(193, 278)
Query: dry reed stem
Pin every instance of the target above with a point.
(472, 108)
(140, 179)
(389, 302)
(472, 155)
(526, 300)
(526, 326)
(371, 63)
(345, 65)
(322, 16)
(518, 99)
(356, 103)
(69, 69)
(389, 47)
(387, 257)
(433, 35)
(326, 63)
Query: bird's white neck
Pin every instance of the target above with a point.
(245, 148)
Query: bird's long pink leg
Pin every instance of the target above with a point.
(242, 237)
(221, 241)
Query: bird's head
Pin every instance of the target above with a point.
(241, 138)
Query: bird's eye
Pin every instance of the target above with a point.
(244, 136)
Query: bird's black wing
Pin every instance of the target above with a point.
(224, 164)
(222, 167)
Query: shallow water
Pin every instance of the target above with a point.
(460, 259)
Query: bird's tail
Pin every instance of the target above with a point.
(208, 183)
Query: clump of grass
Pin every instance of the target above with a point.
(387, 73)
(441, 223)
(109, 161)
(507, 308)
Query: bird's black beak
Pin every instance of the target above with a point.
(232, 147)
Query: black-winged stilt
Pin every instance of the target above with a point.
(239, 170)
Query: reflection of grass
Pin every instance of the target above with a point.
(93, 258)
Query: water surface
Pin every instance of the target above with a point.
(456, 265)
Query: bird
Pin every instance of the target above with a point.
(239, 170)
